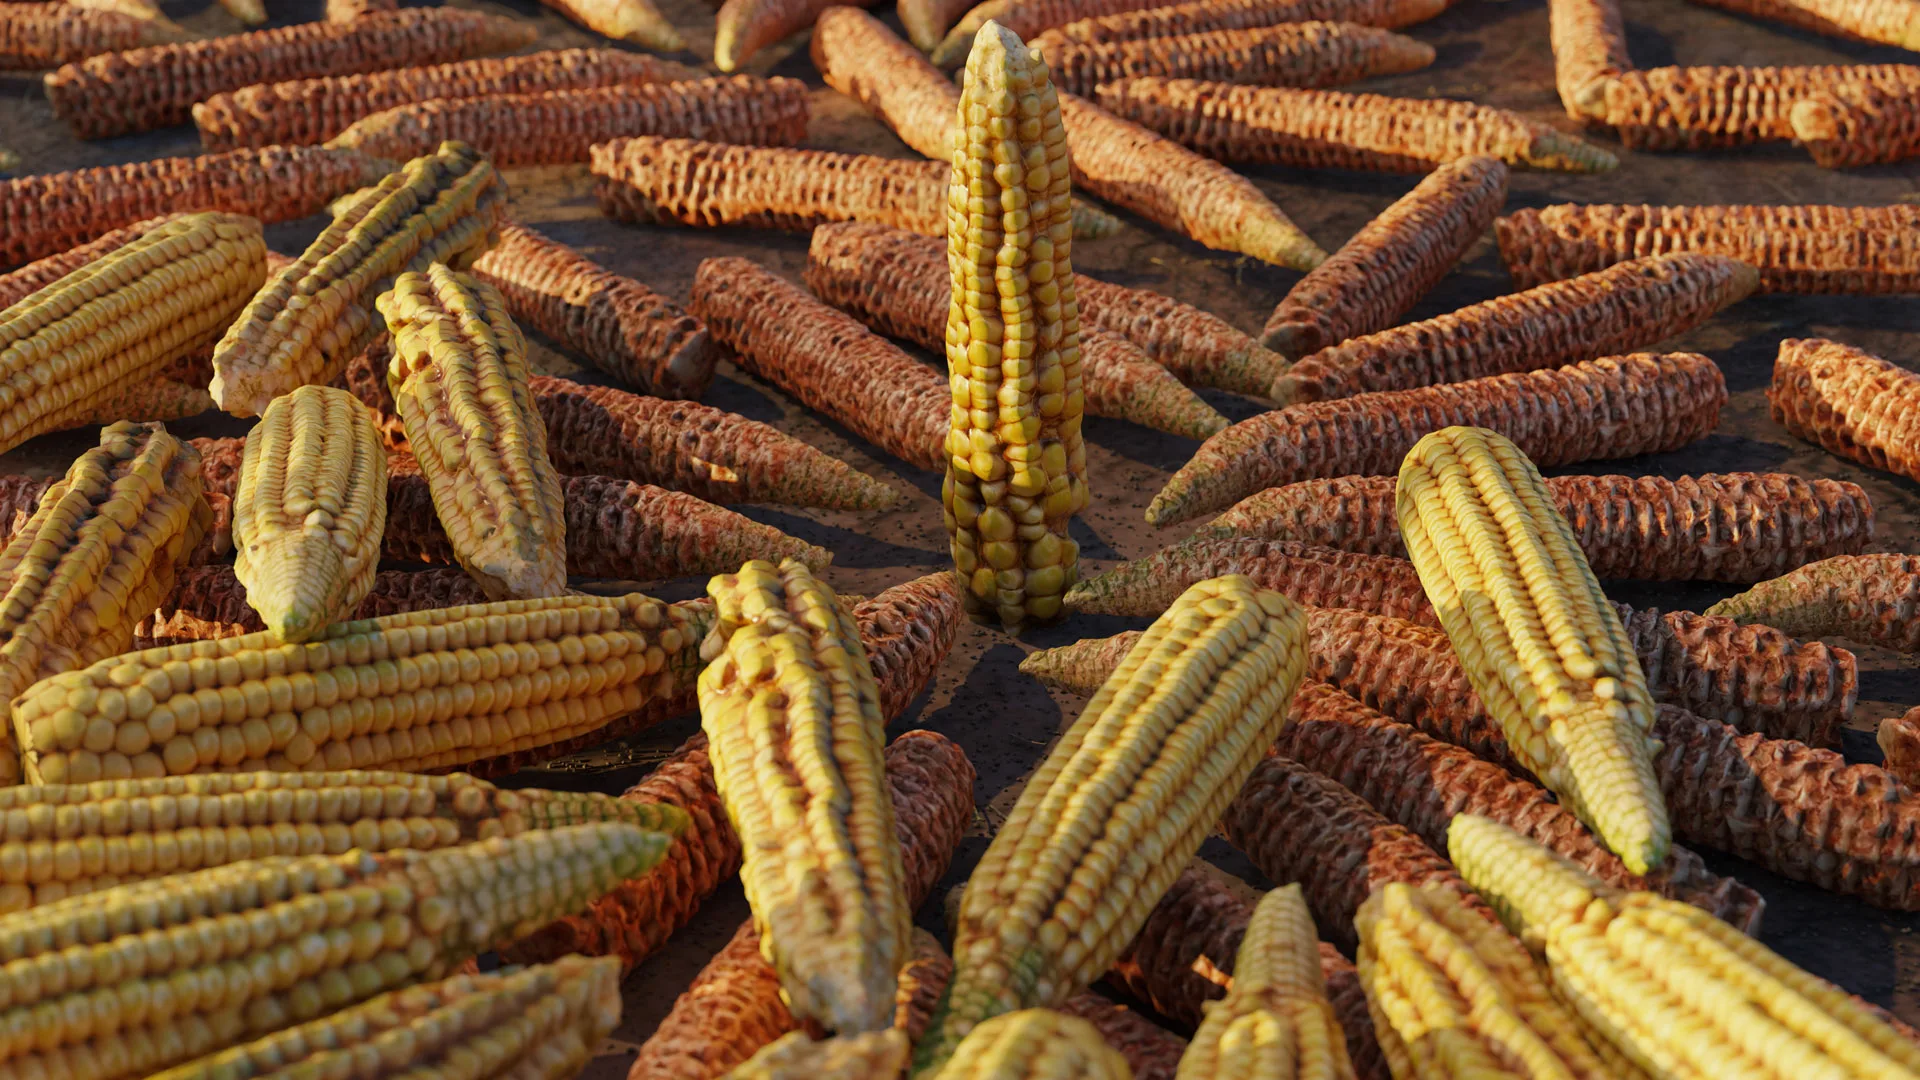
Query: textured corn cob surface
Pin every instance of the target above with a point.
(459, 380)
(1739, 527)
(1899, 739)
(1612, 407)
(1150, 1051)
(1120, 380)
(1025, 19)
(1589, 40)
(1874, 599)
(159, 400)
(305, 111)
(636, 21)
(157, 86)
(1033, 1044)
(1609, 311)
(857, 55)
(797, 1056)
(313, 316)
(618, 325)
(1699, 108)
(1849, 401)
(17, 285)
(1186, 714)
(926, 21)
(1887, 22)
(37, 36)
(1845, 126)
(18, 497)
(1320, 577)
(1389, 265)
(1205, 16)
(744, 27)
(1292, 54)
(208, 602)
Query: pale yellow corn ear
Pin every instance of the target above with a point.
(1275, 1022)
(459, 381)
(869, 1055)
(795, 732)
(1121, 803)
(1036, 1044)
(1016, 464)
(1676, 991)
(309, 511)
(1534, 632)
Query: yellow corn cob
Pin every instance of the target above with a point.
(792, 716)
(459, 379)
(1275, 1022)
(311, 319)
(310, 511)
(1676, 991)
(1534, 632)
(869, 1055)
(1121, 804)
(1035, 1044)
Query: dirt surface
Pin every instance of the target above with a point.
(1491, 52)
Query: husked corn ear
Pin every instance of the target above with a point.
(1148, 767)
(858, 56)
(636, 21)
(1206, 16)
(1845, 126)
(459, 380)
(1849, 401)
(868, 1055)
(1291, 54)
(1699, 108)
(1589, 40)
(1319, 577)
(38, 36)
(208, 602)
(744, 27)
(1888, 22)
(1033, 1044)
(1868, 598)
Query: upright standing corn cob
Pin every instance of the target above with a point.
(1535, 633)
(636, 21)
(1389, 265)
(1292, 54)
(1208, 16)
(157, 86)
(1622, 307)
(1843, 126)
(744, 27)
(1615, 407)
(1887, 22)
(1851, 402)
(316, 314)
(1589, 52)
(1319, 577)
(1033, 1044)
(857, 55)
(39, 36)
(459, 378)
(1868, 598)
(1153, 760)
(208, 602)
(1698, 108)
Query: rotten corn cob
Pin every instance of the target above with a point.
(1318, 577)
(636, 21)
(1589, 41)
(858, 56)
(1292, 54)
(1206, 16)
(1849, 401)
(208, 602)
(1874, 599)
(1699, 108)
(34, 37)
(1846, 126)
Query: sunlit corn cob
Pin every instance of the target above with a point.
(1887, 22)
(139, 9)
(348, 10)
(636, 21)
(1319, 577)
(208, 602)
(1192, 707)
(1206, 16)
(1589, 40)
(1741, 527)
(1849, 401)
(1874, 599)
(1845, 126)
(797, 1056)
(1698, 108)
(1899, 739)
(744, 27)
(1025, 19)
(1120, 380)
(17, 285)
(1032, 1044)
(38, 36)
(1292, 54)
(858, 56)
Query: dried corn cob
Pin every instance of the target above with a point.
(1187, 713)
(1697, 108)
(1867, 598)
(1845, 126)
(617, 324)
(38, 36)
(927, 21)
(17, 285)
(637, 21)
(1389, 265)
(907, 631)
(1150, 1051)
(797, 1056)
(139, 9)
(313, 316)
(1887, 22)
(1207, 16)
(1033, 1044)
(1622, 307)
(857, 55)
(1318, 577)
(1741, 527)
(1613, 407)
(1120, 380)
(1292, 54)
(744, 27)
(156, 87)
(1025, 19)
(348, 10)
(1589, 52)
(156, 401)
(208, 602)
(1899, 739)
(1081, 667)
(1852, 403)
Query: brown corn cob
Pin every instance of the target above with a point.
(1589, 41)
(637, 21)
(734, 1007)
(38, 36)
(556, 127)
(157, 86)
(1886, 22)
(1152, 1052)
(348, 10)
(1845, 126)
(208, 602)
(1851, 402)
(1389, 265)
(1873, 599)
(1740, 527)
(306, 111)
(1122, 381)
(620, 326)
(744, 27)
(1797, 249)
(48, 214)
(1025, 19)
(1613, 407)
(1292, 54)
(1622, 307)
(1698, 108)
(1899, 739)
(1320, 577)
(1206, 16)
(857, 55)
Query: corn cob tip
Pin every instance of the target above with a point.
(1091, 222)
(1565, 153)
(643, 25)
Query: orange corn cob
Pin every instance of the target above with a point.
(17, 285)
(1851, 402)
(857, 55)
(208, 602)
(1873, 599)
(1321, 577)
(1292, 54)
(157, 86)
(744, 27)
(37, 36)
(1845, 126)
(1699, 108)
(1886, 22)
(348, 10)
(927, 21)
(1205, 16)
(1389, 265)
(1899, 739)
(636, 21)
(1589, 41)
(1123, 382)
(1026, 19)
(1610, 311)
(1613, 407)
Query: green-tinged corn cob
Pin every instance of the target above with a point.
(1887, 22)
(744, 27)
(1874, 599)
(313, 316)
(132, 980)
(1698, 108)
(1319, 577)
(1608, 408)
(1589, 40)
(310, 510)
(792, 715)
(157, 86)
(208, 602)
(1186, 714)
(1899, 739)
(869, 1055)
(1851, 402)
(636, 21)
(1535, 633)
(1033, 1044)
(38, 36)
(1845, 126)
(1741, 527)
(542, 1023)
(1292, 54)
(857, 55)
(1275, 1020)
(459, 380)
(1207, 16)
(1621, 959)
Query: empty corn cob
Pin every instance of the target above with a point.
(1697, 108)
(1292, 54)
(1899, 739)
(744, 27)
(1589, 40)
(348, 10)
(38, 36)
(1622, 307)
(1207, 16)
(1319, 577)
(857, 55)
(1024, 937)
(797, 1056)
(1389, 265)
(1025, 19)
(208, 602)
(1844, 126)
(313, 316)
(157, 87)
(1849, 401)
(1741, 527)
(1887, 22)
(620, 326)
(1866, 598)
(637, 21)
(1614, 407)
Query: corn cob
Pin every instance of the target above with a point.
(1033, 1044)
(38, 36)
(1899, 739)
(796, 1056)
(1608, 408)
(1292, 54)
(208, 602)
(1866, 598)
(926, 21)
(313, 316)
(1023, 938)
(1852, 403)
(733, 1008)
(157, 87)
(744, 27)
(249, 12)
(1122, 381)
(1208, 16)
(1319, 577)
(1698, 108)
(1025, 19)
(348, 10)
(1886, 22)
(1150, 1051)
(156, 401)
(1847, 126)
(1589, 40)
(636, 21)
(139, 9)
(17, 285)
(1740, 527)
(620, 326)
(1081, 667)
(857, 55)
(1624, 306)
